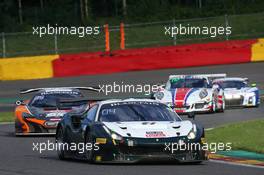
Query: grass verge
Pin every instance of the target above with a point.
(6, 117)
(248, 136)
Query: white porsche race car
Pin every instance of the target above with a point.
(238, 92)
(192, 93)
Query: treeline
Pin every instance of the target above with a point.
(20, 15)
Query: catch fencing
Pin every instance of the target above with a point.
(151, 34)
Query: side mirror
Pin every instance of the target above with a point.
(20, 102)
(191, 115)
(253, 85)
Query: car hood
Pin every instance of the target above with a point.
(150, 129)
(235, 90)
(182, 96)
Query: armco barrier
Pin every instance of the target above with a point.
(228, 52)
(258, 51)
(27, 67)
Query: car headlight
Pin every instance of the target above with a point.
(250, 100)
(159, 95)
(113, 135)
(192, 133)
(116, 136)
(203, 94)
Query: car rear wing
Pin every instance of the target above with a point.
(89, 88)
(208, 76)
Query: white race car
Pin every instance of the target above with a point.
(192, 93)
(238, 92)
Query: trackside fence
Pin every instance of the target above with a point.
(151, 34)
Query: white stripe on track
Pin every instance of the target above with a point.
(208, 129)
(6, 123)
(236, 164)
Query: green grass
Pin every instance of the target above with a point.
(6, 117)
(136, 36)
(248, 136)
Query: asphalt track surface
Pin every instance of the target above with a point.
(18, 157)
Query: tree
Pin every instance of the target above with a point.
(86, 9)
(124, 8)
(20, 12)
(81, 10)
(41, 4)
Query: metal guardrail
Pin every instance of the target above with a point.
(148, 34)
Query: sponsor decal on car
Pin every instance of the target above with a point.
(51, 123)
(155, 134)
(55, 114)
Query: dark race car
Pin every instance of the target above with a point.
(41, 114)
(128, 131)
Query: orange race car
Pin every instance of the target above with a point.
(41, 114)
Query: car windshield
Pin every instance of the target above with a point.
(136, 111)
(51, 100)
(232, 84)
(187, 83)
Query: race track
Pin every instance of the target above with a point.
(18, 158)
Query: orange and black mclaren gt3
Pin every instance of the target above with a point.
(41, 114)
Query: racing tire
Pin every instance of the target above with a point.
(60, 140)
(89, 155)
(222, 107)
(18, 129)
(213, 110)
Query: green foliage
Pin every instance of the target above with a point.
(68, 12)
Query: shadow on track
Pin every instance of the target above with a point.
(140, 163)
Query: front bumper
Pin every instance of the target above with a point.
(35, 127)
(142, 150)
(241, 102)
(199, 107)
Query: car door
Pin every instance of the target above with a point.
(79, 124)
(89, 119)
(76, 129)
